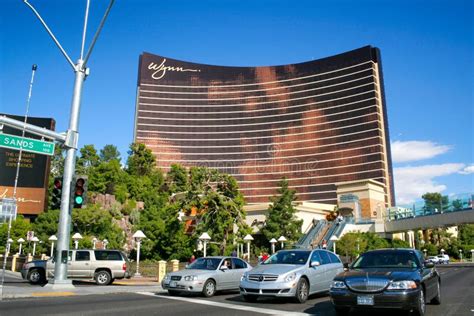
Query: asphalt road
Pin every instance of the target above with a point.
(457, 295)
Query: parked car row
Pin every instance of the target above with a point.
(388, 278)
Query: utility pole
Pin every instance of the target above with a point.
(81, 71)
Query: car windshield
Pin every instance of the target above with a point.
(288, 257)
(205, 264)
(395, 259)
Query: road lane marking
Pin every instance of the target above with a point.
(226, 305)
(52, 294)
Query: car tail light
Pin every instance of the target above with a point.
(124, 267)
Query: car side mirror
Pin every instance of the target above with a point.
(429, 264)
(315, 263)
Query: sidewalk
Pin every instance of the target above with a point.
(16, 287)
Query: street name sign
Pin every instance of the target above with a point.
(26, 144)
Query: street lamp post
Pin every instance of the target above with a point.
(282, 239)
(442, 251)
(424, 251)
(52, 239)
(20, 241)
(94, 241)
(34, 240)
(9, 244)
(460, 254)
(139, 235)
(76, 237)
(248, 239)
(334, 239)
(273, 241)
(105, 242)
(205, 238)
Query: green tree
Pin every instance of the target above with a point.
(351, 245)
(435, 201)
(457, 205)
(88, 160)
(221, 208)
(108, 153)
(466, 234)
(106, 176)
(398, 243)
(93, 221)
(19, 229)
(141, 161)
(281, 218)
(177, 179)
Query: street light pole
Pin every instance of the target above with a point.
(52, 239)
(139, 235)
(81, 71)
(273, 241)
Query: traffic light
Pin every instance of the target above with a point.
(80, 190)
(56, 194)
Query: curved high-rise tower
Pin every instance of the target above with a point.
(315, 123)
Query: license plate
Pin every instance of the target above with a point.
(173, 284)
(365, 300)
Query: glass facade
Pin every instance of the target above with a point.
(315, 123)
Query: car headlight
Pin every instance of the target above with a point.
(167, 277)
(190, 278)
(402, 285)
(338, 285)
(245, 276)
(290, 277)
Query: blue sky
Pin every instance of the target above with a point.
(427, 49)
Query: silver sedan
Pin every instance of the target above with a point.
(291, 273)
(207, 275)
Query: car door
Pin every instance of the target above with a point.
(326, 263)
(224, 276)
(336, 265)
(428, 278)
(80, 267)
(238, 268)
(316, 273)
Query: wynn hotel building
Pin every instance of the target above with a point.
(315, 123)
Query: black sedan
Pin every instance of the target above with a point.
(387, 278)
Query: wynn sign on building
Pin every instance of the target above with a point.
(316, 123)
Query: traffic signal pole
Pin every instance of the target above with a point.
(81, 71)
(64, 229)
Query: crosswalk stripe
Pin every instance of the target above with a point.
(226, 305)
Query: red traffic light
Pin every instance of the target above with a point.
(58, 184)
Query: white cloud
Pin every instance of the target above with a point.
(412, 182)
(467, 170)
(416, 150)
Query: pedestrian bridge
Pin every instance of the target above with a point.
(452, 218)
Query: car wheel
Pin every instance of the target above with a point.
(36, 276)
(173, 293)
(437, 299)
(250, 298)
(302, 290)
(421, 305)
(103, 277)
(342, 311)
(209, 288)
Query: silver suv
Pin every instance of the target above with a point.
(104, 266)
